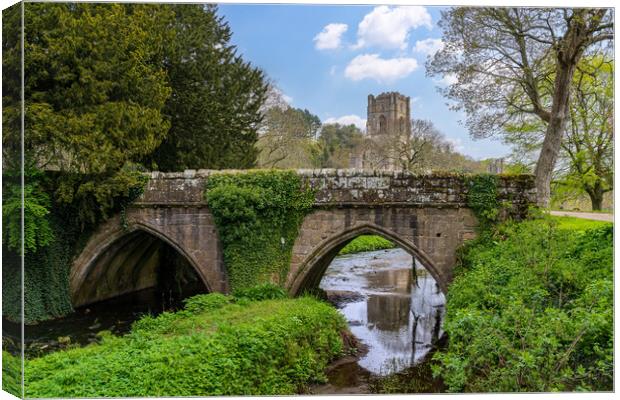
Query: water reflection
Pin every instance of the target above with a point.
(400, 311)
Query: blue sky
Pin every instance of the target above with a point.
(329, 58)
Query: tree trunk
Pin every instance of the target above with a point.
(555, 131)
(596, 197)
(569, 50)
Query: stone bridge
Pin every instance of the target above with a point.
(426, 215)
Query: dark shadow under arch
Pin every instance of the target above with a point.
(132, 260)
(313, 268)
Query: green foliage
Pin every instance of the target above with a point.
(288, 138)
(366, 243)
(258, 214)
(337, 143)
(37, 231)
(95, 86)
(531, 309)
(577, 224)
(266, 291)
(482, 198)
(270, 347)
(216, 96)
(11, 374)
(46, 267)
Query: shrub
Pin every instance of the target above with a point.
(267, 291)
(257, 348)
(531, 309)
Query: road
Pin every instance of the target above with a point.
(585, 215)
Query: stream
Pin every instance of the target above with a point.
(395, 311)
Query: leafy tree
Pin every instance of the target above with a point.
(588, 143)
(497, 54)
(287, 138)
(586, 156)
(94, 87)
(338, 143)
(216, 97)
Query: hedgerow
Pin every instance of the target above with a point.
(217, 345)
(258, 215)
(531, 309)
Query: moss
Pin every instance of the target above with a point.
(258, 214)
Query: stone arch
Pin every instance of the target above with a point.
(311, 270)
(112, 248)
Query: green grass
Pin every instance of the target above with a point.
(578, 224)
(366, 243)
(531, 309)
(218, 345)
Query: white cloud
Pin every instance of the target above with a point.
(348, 120)
(330, 37)
(389, 27)
(371, 66)
(447, 80)
(428, 46)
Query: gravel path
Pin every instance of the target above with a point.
(585, 215)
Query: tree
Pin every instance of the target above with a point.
(415, 153)
(586, 157)
(94, 91)
(338, 143)
(497, 54)
(287, 138)
(588, 143)
(216, 98)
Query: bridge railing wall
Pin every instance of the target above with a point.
(350, 188)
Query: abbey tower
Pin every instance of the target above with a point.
(388, 126)
(388, 113)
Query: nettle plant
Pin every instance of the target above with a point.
(258, 215)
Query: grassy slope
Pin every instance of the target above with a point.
(366, 243)
(214, 347)
(578, 224)
(531, 309)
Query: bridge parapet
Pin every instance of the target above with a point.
(351, 188)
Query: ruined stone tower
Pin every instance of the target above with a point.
(388, 125)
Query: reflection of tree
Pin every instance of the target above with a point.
(388, 312)
(397, 280)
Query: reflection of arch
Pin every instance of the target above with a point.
(311, 270)
(118, 261)
(382, 124)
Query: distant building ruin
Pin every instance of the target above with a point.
(388, 124)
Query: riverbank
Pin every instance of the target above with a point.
(531, 309)
(364, 243)
(217, 345)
